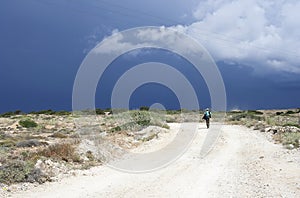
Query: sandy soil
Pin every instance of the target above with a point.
(242, 164)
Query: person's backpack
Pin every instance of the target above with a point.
(207, 114)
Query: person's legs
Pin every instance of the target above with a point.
(207, 123)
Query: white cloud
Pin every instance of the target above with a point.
(117, 44)
(263, 34)
(134, 39)
(95, 36)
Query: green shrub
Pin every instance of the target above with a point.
(170, 120)
(238, 117)
(28, 123)
(136, 120)
(143, 122)
(292, 124)
(18, 112)
(142, 118)
(60, 113)
(255, 112)
(100, 112)
(165, 126)
(171, 112)
(270, 121)
(144, 108)
(7, 114)
(16, 171)
(7, 140)
(116, 129)
(46, 112)
(10, 113)
(291, 138)
(90, 156)
(51, 112)
(146, 139)
(290, 112)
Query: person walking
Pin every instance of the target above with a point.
(206, 117)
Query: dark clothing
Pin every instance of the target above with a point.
(206, 117)
(207, 123)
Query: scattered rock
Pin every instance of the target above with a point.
(14, 127)
(292, 129)
(49, 127)
(148, 133)
(49, 170)
(290, 146)
(277, 129)
(259, 127)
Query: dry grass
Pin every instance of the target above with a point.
(61, 151)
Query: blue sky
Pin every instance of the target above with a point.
(254, 43)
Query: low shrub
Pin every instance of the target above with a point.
(235, 112)
(28, 123)
(171, 112)
(61, 151)
(170, 120)
(7, 114)
(58, 135)
(142, 118)
(292, 124)
(116, 129)
(246, 115)
(60, 113)
(290, 112)
(10, 113)
(28, 143)
(144, 108)
(51, 112)
(90, 156)
(14, 171)
(7, 143)
(291, 138)
(45, 112)
(146, 139)
(165, 126)
(100, 112)
(270, 121)
(136, 120)
(255, 112)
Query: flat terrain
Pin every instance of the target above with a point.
(243, 163)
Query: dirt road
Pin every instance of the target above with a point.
(243, 164)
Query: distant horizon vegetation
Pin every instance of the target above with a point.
(100, 111)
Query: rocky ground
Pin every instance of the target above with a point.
(38, 148)
(282, 126)
(243, 163)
